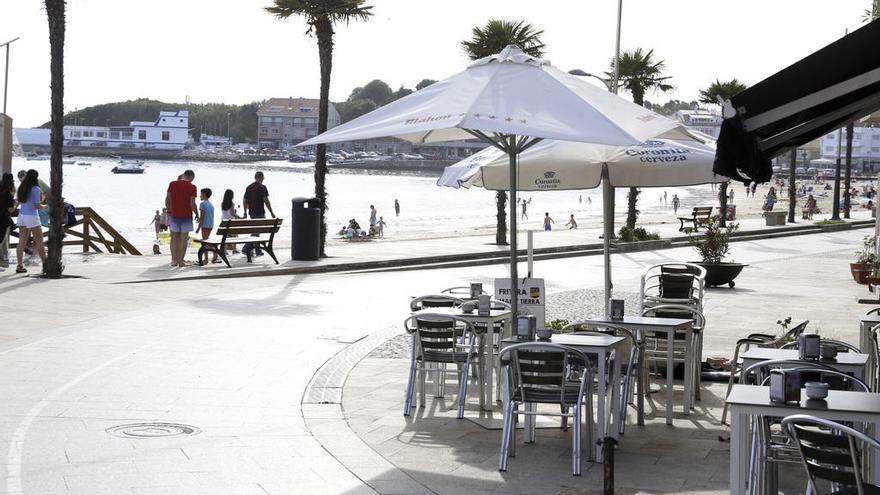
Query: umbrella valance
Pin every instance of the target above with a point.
(833, 86)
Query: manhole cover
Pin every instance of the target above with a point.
(152, 430)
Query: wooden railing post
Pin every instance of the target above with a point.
(85, 223)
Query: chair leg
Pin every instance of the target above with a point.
(422, 378)
(733, 372)
(698, 369)
(410, 389)
(563, 424)
(462, 388)
(514, 419)
(642, 388)
(576, 442)
(505, 434)
(591, 424)
(441, 380)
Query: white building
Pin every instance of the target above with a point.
(170, 131)
(705, 121)
(865, 147)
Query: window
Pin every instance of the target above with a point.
(142, 134)
(876, 137)
(128, 134)
(87, 133)
(114, 134)
(304, 110)
(166, 136)
(101, 134)
(875, 149)
(831, 136)
(75, 134)
(829, 148)
(274, 131)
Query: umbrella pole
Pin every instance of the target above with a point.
(608, 225)
(514, 275)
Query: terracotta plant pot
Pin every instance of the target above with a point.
(859, 272)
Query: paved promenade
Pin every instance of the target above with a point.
(233, 358)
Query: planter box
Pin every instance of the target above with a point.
(772, 218)
(834, 227)
(628, 247)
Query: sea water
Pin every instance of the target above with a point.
(129, 201)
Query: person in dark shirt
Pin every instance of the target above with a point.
(256, 202)
(7, 206)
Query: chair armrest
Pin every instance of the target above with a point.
(762, 336)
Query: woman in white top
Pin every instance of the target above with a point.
(227, 211)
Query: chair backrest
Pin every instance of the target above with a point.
(435, 301)
(678, 311)
(463, 291)
(439, 337)
(538, 372)
(836, 380)
(761, 370)
(874, 311)
(840, 345)
(829, 451)
(672, 283)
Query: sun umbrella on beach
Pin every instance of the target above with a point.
(511, 101)
(561, 165)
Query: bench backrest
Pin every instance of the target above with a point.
(236, 226)
(702, 211)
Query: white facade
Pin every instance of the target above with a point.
(705, 121)
(865, 147)
(170, 131)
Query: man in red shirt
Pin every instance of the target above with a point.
(180, 200)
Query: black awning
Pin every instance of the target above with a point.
(824, 91)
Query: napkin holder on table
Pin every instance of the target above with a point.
(785, 386)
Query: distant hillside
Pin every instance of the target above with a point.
(210, 118)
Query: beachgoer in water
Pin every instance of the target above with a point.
(665, 200)
(547, 221)
(206, 220)
(380, 226)
(180, 199)
(572, 223)
(7, 206)
(675, 204)
(29, 198)
(373, 216)
(256, 202)
(396, 208)
(580, 199)
(524, 215)
(589, 200)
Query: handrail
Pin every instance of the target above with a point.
(104, 234)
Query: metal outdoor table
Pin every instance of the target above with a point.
(748, 400)
(640, 325)
(851, 363)
(486, 357)
(607, 349)
(866, 324)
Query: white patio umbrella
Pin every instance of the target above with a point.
(561, 165)
(511, 101)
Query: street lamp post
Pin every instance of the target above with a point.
(6, 73)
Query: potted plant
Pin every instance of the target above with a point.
(713, 245)
(866, 260)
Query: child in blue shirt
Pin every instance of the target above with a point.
(206, 219)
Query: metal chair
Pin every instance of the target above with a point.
(440, 340)
(771, 447)
(672, 283)
(539, 373)
(760, 340)
(632, 369)
(840, 345)
(463, 291)
(831, 452)
(435, 301)
(655, 342)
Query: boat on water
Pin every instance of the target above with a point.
(129, 167)
(36, 157)
(84, 164)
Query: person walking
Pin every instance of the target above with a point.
(156, 223)
(754, 188)
(572, 223)
(524, 215)
(811, 206)
(29, 197)
(730, 196)
(180, 200)
(675, 204)
(547, 221)
(396, 208)
(256, 202)
(7, 206)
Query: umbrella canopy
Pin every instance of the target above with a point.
(510, 93)
(833, 86)
(560, 165)
(512, 101)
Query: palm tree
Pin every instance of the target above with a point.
(489, 40)
(718, 92)
(55, 15)
(873, 12)
(638, 73)
(720, 89)
(321, 17)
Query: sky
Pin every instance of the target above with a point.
(232, 51)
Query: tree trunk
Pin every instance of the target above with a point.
(848, 175)
(55, 14)
(501, 227)
(324, 33)
(792, 191)
(722, 202)
(632, 214)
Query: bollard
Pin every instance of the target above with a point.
(608, 444)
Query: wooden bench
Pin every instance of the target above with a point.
(240, 231)
(699, 215)
(775, 218)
